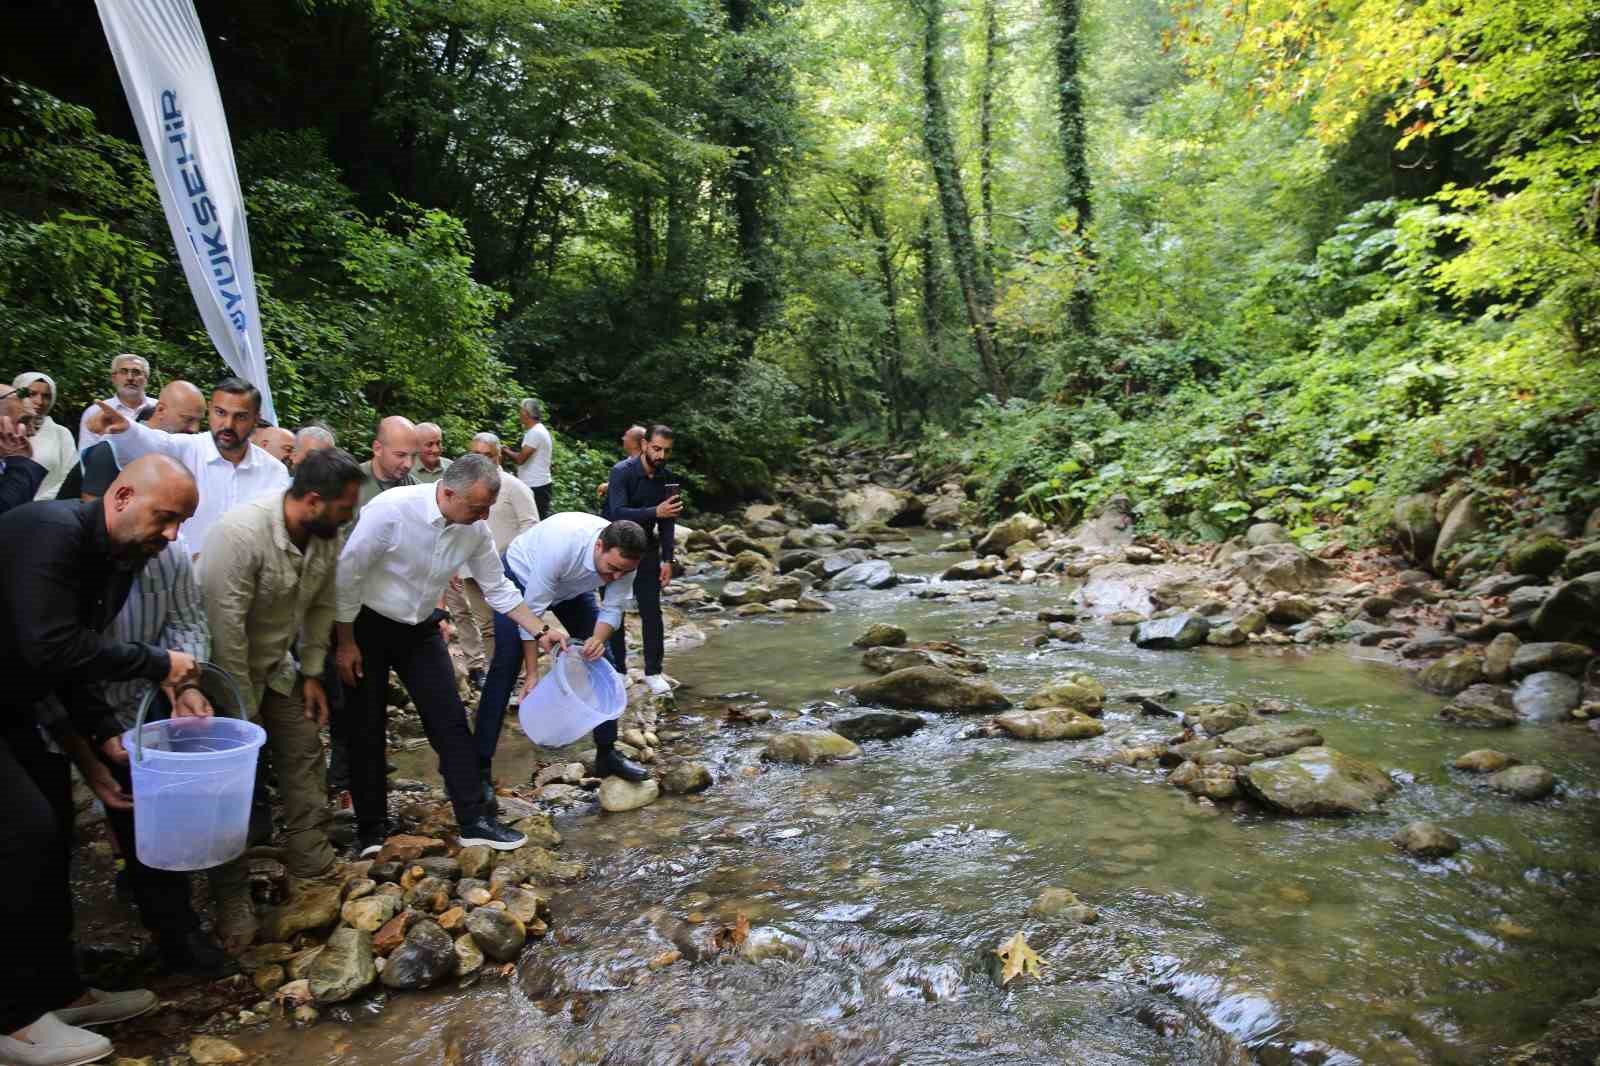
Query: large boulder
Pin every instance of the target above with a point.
(873, 574)
(1524, 782)
(1109, 528)
(943, 512)
(1570, 611)
(1278, 568)
(1559, 656)
(1465, 521)
(1540, 555)
(871, 504)
(928, 688)
(1271, 740)
(1002, 535)
(1175, 632)
(809, 746)
(1547, 697)
(1050, 723)
(1079, 691)
(1451, 674)
(1317, 781)
(1416, 526)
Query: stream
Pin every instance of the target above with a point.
(876, 889)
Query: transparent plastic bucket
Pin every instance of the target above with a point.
(193, 782)
(570, 700)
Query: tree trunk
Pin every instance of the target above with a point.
(977, 285)
(991, 32)
(891, 360)
(1074, 148)
(927, 253)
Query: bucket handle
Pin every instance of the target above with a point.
(206, 669)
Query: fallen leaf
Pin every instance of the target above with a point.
(665, 959)
(731, 936)
(1017, 959)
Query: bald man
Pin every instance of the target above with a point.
(431, 463)
(179, 409)
(394, 452)
(275, 441)
(66, 567)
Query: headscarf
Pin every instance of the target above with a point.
(25, 380)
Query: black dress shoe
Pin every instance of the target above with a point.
(491, 834)
(609, 764)
(195, 955)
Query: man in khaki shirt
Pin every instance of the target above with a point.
(513, 512)
(269, 579)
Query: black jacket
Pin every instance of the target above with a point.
(632, 494)
(19, 481)
(59, 588)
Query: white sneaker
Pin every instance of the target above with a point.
(104, 1008)
(657, 684)
(52, 1042)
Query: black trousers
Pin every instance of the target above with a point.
(647, 590)
(162, 895)
(541, 497)
(417, 653)
(35, 853)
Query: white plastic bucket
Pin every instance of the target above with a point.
(570, 700)
(193, 782)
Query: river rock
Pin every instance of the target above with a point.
(738, 544)
(1218, 781)
(1291, 610)
(1416, 525)
(971, 570)
(1050, 723)
(1227, 635)
(212, 1051)
(497, 933)
(1430, 645)
(930, 688)
(738, 593)
(888, 660)
(469, 956)
(369, 913)
(1271, 740)
(1451, 674)
(1547, 697)
(343, 967)
(1218, 718)
(796, 560)
(1002, 535)
(1571, 610)
(1062, 902)
(1317, 781)
(1583, 560)
(1174, 633)
(1266, 533)
(1279, 568)
(1524, 782)
(1485, 761)
(1465, 520)
(809, 747)
(877, 725)
(427, 956)
(316, 907)
(685, 778)
(812, 605)
(942, 512)
(618, 794)
(881, 635)
(1426, 841)
(1559, 656)
(1540, 556)
(1498, 655)
(815, 508)
(873, 574)
(1077, 691)
(1486, 706)
(871, 504)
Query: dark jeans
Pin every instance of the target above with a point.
(417, 653)
(338, 776)
(541, 496)
(35, 853)
(647, 590)
(578, 616)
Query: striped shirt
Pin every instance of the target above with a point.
(164, 609)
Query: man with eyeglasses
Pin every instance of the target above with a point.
(20, 476)
(129, 375)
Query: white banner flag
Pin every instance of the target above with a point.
(166, 71)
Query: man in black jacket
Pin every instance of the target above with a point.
(65, 570)
(638, 492)
(20, 476)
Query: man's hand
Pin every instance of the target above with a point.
(181, 667)
(316, 701)
(191, 703)
(107, 420)
(601, 489)
(593, 648)
(349, 656)
(112, 749)
(666, 574)
(14, 440)
(446, 630)
(670, 507)
(455, 583)
(548, 642)
(101, 782)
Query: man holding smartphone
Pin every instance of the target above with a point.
(643, 490)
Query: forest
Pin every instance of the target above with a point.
(1288, 260)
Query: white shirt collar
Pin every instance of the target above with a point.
(430, 507)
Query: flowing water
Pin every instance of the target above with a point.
(877, 889)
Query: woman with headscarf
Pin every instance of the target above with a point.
(54, 446)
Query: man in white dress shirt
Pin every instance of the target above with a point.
(129, 375)
(227, 467)
(407, 546)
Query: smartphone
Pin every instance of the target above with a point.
(673, 488)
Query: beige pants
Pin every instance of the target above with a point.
(474, 621)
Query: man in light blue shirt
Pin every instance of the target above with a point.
(558, 565)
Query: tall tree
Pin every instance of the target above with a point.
(1074, 148)
(972, 273)
(991, 33)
